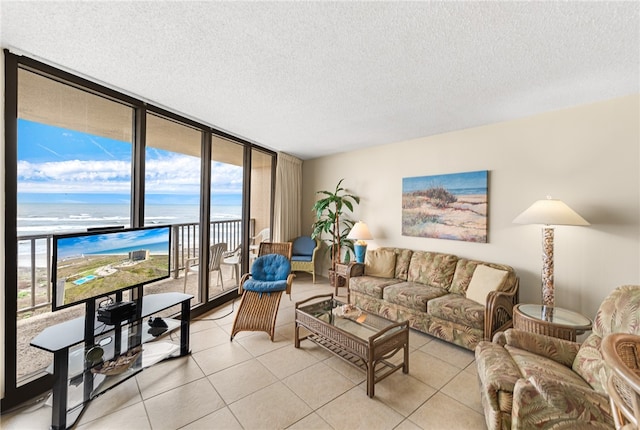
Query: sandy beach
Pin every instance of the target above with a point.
(465, 219)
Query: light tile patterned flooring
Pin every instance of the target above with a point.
(253, 383)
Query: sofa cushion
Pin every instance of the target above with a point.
(403, 258)
(590, 365)
(464, 273)
(619, 312)
(432, 268)
(484, 280)
(370, 285)
(412, 295)
(462, 276)
(530, 364)
(380, 263)
(457, 309)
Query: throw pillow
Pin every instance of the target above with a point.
(380, 263)
(484, 280)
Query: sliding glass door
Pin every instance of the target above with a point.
(74, 163)
(172, 181)
(81, 156)
(225, 218)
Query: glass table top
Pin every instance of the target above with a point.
(555, 315)
(356, 322)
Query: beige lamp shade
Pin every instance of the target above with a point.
(360, 231)
(550, 212)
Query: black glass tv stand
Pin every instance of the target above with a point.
(74, 382)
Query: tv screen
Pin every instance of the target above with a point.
(95, 264)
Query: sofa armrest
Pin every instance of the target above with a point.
(558, 350)
(497, 372)
(355, 269)
(498, 314)
(540, 402)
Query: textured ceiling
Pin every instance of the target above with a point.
(317, 78)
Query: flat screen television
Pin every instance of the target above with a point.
(95, 264)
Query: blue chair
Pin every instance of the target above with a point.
(269, 273)
(303, 258)
(262, 289)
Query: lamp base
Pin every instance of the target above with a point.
(548, 293)
(360, 251)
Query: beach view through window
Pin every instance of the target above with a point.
(72, 181)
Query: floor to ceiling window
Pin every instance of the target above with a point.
(172, 194)
(81, 156)
(226, 224)
(74, 155)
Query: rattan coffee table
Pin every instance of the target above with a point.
(362, 339)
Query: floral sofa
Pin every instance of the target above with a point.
(529, 380)
(429, 290)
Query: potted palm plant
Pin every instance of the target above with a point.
(332, 221)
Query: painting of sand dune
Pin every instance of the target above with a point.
(450, 206)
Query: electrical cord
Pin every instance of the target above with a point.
(220, 317)
(101, 329)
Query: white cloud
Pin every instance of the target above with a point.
(174, 173)
(74, 170)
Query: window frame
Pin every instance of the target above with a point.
(15, 395)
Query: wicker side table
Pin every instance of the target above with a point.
(344, 272)
(550, 321)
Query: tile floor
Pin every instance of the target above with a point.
(253, 383)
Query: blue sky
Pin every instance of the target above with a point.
(449, 181)
(89, 244)
(53, 161)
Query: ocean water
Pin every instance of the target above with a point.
(36, 219)
(459, 184)
(58, 218)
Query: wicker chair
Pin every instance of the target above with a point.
(621, 352)
(258, 311)
(282, 248)
(303, 258)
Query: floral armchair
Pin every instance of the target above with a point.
(529, 380)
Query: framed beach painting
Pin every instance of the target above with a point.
(451, 206)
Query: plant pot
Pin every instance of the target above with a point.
(333, 278)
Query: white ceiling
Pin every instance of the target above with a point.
(318, 78)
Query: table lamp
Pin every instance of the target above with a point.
(549, 212)
(360, 233)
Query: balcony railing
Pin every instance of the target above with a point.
(34, 258)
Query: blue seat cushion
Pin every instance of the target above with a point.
(303, 245)
(271, 267)
(300, 258)
(264, 286)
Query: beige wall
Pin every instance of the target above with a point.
(587, 156)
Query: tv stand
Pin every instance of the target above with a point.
(80, 335)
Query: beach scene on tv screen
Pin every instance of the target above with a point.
(98, 264)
